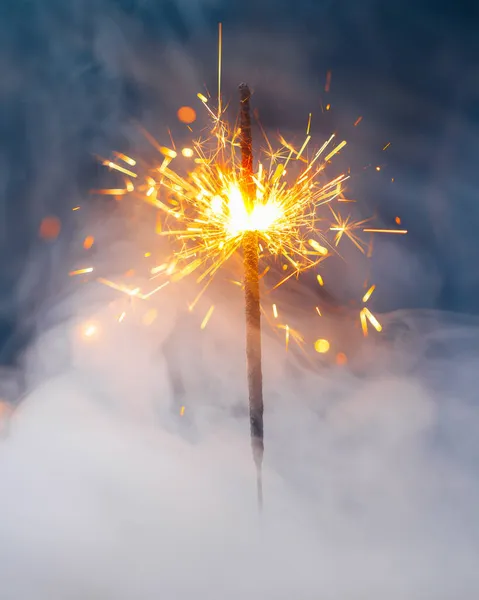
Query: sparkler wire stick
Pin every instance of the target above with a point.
(252, 295)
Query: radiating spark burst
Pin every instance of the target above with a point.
(202, 206)
(208, 214)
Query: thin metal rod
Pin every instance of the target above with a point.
(252, 295)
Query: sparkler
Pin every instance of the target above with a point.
(252, 295)
(227, 202)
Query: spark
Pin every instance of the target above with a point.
(126, 159)
(202, 207)
(204, 323)
(81, 271)
(372, 319)
(114, 166)
(369, 293)
(398, 231)
(89, 330)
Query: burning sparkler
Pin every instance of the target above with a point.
(229, 202)
(252, 296)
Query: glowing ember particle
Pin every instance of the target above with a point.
(364, 323)
(168, 152)
(275, 311)
(358, 120)
(89, 330)
(320, 279)
(182, 411)
(378, 168)
(399, 231)
(81, 271)
(387, 146)
(286, 336)
(336, 150)
(88, 242)
(372, 319)
(328, 106)
(186, 114)
(318, 311)
(204, 323)
(187, 152)
(124, 158)
(321, 346)
(50, 228)
(203, 99)
(398, 220)
(319, 249)
(76, 208)
(121, 317)
(341, 358)
(147, 254)
(368, 294)
(115, 167)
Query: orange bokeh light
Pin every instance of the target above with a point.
(50, 228)
(186, 114)
(341, 358)
(88, 242)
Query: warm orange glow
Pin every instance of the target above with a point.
(50, 228)
(88, 242)
(186, 114)
(149, 316)
(89, 331)
(341, 358)
(187, 152)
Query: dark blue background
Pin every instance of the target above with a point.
(73, 73)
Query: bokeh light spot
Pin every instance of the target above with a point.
(321, 346)
(50, 228)
(186, 114)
